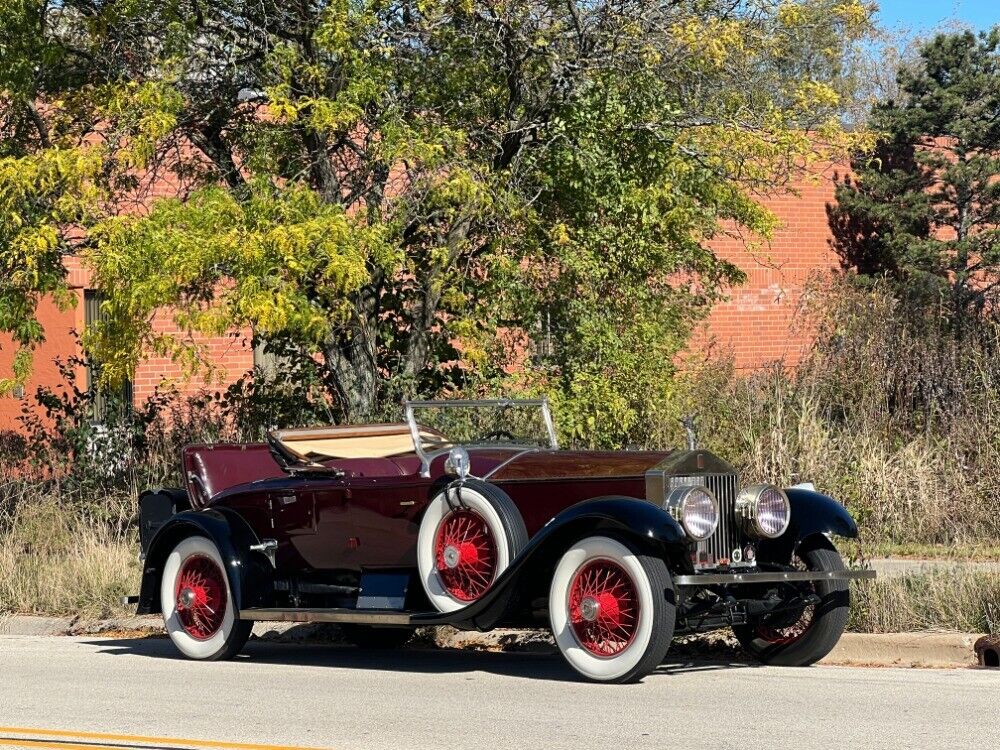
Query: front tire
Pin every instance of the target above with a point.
(612, 610)
(814, 631)
(197, 603)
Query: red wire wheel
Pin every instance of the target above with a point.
(465, 554)
(201, 597)
(782, 636)
(603, 608)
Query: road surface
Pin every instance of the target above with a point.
(347, 699)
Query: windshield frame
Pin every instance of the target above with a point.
(426, 458)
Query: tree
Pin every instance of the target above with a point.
(385, 185)
(924, 209)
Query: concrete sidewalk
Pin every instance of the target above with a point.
(896, 567)
(940, 650)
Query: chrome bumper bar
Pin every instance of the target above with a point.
(722, 579)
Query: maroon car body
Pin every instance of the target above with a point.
(369, 516)
(296, 534)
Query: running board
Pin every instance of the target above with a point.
(366, 617)
(722, 579)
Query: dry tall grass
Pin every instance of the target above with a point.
(952, 599)
(69, 490)
(889, 413)
(56, 558)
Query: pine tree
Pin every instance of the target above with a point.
(924, 209)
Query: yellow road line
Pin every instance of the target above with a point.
(34, 733)
(26, 742)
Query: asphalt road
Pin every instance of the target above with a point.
(342, 698)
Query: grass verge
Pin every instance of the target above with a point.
(852, 549)
(56, 560)
(945, 599)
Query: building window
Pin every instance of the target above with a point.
(264, 362)
(103, 398)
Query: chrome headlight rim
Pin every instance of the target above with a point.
(748, 511)
(677, 503)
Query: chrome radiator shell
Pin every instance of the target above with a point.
(725, 546)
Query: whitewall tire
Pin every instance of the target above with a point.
(197, 604)
(467, 538)
(611, 610)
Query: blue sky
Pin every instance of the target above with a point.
(916, 16)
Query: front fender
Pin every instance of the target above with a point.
(248, 571)
(646, 526)
(813, 514)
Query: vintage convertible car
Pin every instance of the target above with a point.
(470, 515)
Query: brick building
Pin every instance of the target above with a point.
(760, 322)
(757, 324)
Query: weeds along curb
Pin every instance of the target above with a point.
(932, 650)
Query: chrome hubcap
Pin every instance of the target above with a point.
(452, 556)
(186, 598)
(590, 608)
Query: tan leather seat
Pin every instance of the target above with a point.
(355, 441)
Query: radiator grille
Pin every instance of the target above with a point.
(718, 548)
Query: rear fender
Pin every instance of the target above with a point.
(249, 572)
(814, 515)
(637, 522)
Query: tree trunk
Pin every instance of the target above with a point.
(352, 356)
(350, 363)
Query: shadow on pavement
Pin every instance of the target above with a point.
(422, 660)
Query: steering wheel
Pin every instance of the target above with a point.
(499, 435)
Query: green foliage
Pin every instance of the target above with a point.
(281, 260)
(925, 208)
(40, 195)
(391, 189)
(900, 420)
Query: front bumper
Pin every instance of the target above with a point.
(728, 579)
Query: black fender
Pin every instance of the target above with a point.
(813, 514)
(645, 526)
(249, 573)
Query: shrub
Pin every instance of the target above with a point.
(887, 413)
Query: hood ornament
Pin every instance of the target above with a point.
(692, 438)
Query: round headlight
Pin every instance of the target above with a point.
(764, 511)
(695, 508)
(457, 463)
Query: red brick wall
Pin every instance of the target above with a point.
(59, 343)
(759, 322)
(229, 357)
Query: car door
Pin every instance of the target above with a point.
(375, 523)
(292, 509)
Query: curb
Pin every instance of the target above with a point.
(927, 650)
(932, 650)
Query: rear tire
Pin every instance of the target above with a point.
(612, 610)
(463, 547)
(197, 604)
(817, 630)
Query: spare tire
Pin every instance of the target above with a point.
(469, 535)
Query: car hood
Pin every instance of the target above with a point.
(563, 464)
